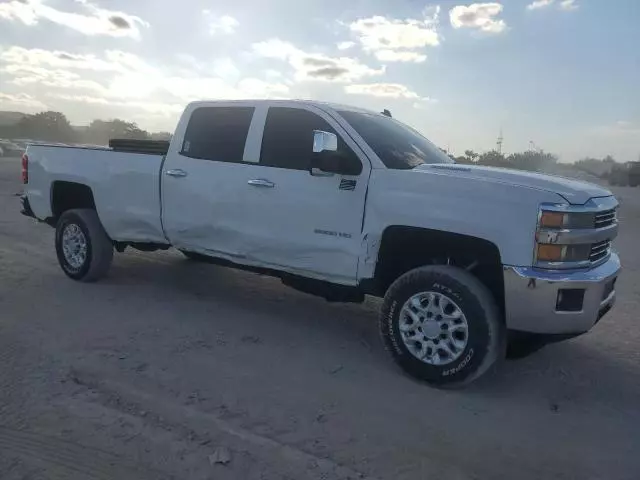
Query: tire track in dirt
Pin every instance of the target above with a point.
(69, 457)
(11, 375)
(131, 400)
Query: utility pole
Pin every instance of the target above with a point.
(499, 142)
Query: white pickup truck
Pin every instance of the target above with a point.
(341, 202)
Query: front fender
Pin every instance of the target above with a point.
(500, 213)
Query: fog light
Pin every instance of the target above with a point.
(570, 300)
(551, 253)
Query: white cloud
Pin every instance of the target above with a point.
(225, 24)
(18, 11)
(315, 67)
(31, 75)
(200, 88)
(113, 60)
(400, 56)
(161, 108)
(478, 15)
(20, 101)
(568, 5)
(121, 78)
(276, 48)
(91, 21)
(539, 4)
(387, 90)
(346, 45)
(384, 36)
(621, 128)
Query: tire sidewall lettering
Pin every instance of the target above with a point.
(475, 351)
(460, 366)
(393, 334)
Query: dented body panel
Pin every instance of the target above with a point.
(435, 199)
(300, 224)
(125, 187)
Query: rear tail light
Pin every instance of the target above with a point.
(25, 169)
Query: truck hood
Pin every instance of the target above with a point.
(574, 191)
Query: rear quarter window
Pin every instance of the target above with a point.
(217, 133)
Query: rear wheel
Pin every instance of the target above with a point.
(84, 249)
(441, 325)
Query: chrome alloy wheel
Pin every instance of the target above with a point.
(434, 328)
(74, 246)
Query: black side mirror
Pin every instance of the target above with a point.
(324, 164)
(326, 160)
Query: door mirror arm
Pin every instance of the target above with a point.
(326, 161)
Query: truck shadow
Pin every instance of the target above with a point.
(578, 374)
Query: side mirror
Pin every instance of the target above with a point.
(326, 160)
(324, 141)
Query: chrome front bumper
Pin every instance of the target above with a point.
(531, 297)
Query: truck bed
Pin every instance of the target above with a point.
(125, 186)
(153, 147)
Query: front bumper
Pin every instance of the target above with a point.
(531, 297)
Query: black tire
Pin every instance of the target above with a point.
(486, 341)
(99, 247)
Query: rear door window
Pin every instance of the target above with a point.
(217, 133)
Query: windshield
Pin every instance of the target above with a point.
(399, 147)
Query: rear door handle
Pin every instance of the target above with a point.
(177, 172)
(261, 182)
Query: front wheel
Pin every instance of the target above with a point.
(442, 325)
(84, 249)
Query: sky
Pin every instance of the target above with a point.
(559, 75)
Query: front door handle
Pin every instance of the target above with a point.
(261, 182)
(177, 172)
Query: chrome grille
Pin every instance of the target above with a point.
(604, 219)
(600, 250)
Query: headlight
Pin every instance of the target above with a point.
(570, 236)
(553, 219)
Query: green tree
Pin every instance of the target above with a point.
(50, 126)
(100, 131)
(492, 158)
(471, 156)
(161, 136)
(536, 161)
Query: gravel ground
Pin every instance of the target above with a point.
(172, 369)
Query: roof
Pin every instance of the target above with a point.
(315, 103)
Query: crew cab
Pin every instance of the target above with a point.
(343, 202)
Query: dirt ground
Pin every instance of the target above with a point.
(170, 369)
